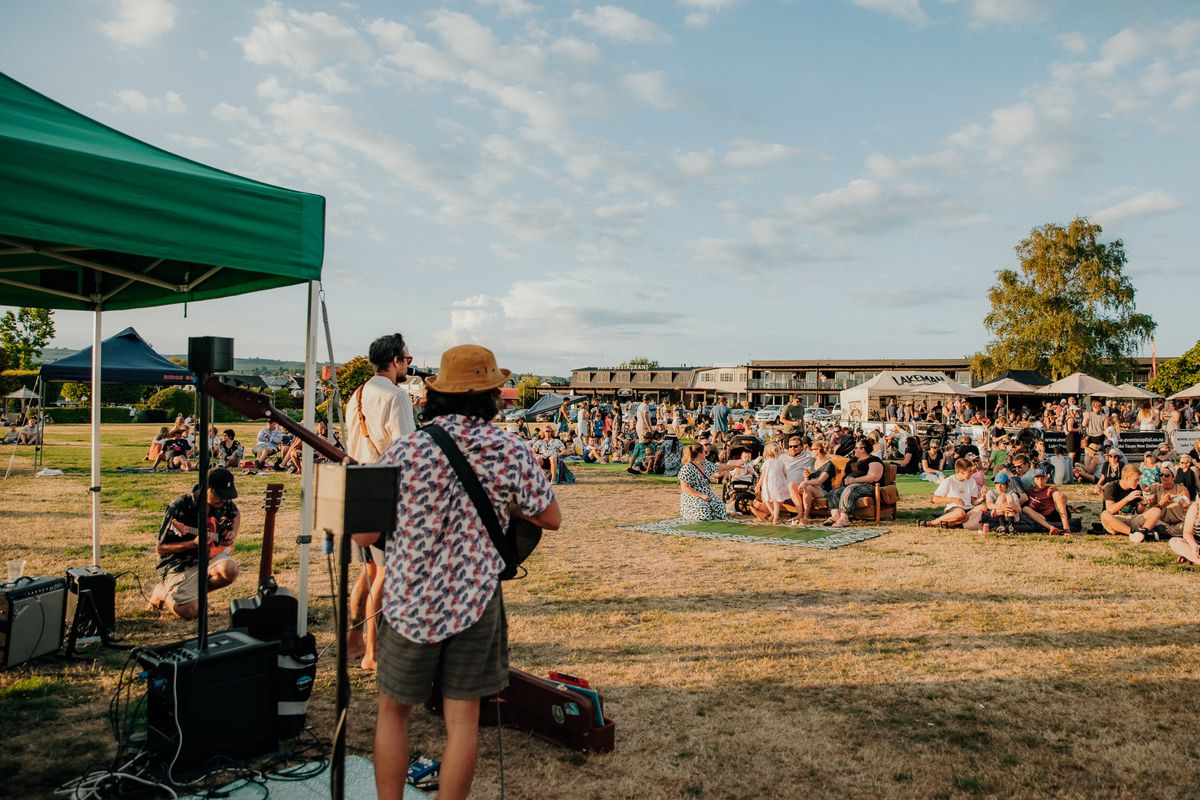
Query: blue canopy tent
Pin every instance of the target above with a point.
(124, 358)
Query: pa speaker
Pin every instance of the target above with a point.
(210, 354)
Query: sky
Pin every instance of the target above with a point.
(693, 181)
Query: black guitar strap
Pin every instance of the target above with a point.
(470, 482)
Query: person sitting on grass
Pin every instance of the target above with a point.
(1127, 511)
(861, 476)
(1172, 498)
(696, 498)
(1185, 545)
(910, 462)
(175, 452)
(28, 434)
(1187, 476)
(1042, 500)
(547, 451)
(269, 443)
(931, 464)
(1151, 472)
(156, 445)
(229, 450)
(958, 494)
(1110, 471)
(1003, 505)
(1088, 471)
(179, 587)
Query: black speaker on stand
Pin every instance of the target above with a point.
(206, 355)
(91, 608)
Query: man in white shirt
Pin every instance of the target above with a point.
(378, 412)
(641, 417)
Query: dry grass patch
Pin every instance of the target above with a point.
(920, 664)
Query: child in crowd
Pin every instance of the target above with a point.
(958, 493)
(1003, 505)
(773, 481)
(1151, 471)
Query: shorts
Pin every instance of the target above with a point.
(1136, 522)
(472, 663)
(1096, 440)
(182, 586)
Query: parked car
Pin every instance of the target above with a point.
(514, 415)
(740, 414)
(768, 414)
(817, 414)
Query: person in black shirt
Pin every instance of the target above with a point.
(859, 481)
(965, 447)
(179, 587)
(175, 451)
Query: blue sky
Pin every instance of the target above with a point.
(697, 181)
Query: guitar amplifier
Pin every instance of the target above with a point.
(203, 705)
(31, 618)
(91, 601)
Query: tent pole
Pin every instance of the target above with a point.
(306, 478)
(95, 485)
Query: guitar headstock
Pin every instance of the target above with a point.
(273, 497)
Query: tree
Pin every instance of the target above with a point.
(527, 390)
(25, 334)
(1069, 309)
(350, 376)
(77, 392)
(1177, 374)
(641, 362)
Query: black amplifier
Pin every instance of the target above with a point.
(91, 601)
(220, 702)
(31, 618)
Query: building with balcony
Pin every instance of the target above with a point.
(663, 384)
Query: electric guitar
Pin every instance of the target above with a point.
(272, 611)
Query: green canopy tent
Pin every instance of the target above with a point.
(92, 219)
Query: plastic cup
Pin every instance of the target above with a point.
(16, 568)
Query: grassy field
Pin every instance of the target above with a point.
(924, 663)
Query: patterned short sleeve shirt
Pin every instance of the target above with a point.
(441, 565)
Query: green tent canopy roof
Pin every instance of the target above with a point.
(88, 213)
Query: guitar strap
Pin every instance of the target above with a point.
(470, 482)
(362, 421)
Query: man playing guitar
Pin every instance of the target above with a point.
(179, 587)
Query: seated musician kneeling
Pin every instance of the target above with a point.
(178, 590)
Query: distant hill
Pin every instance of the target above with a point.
(242, 366)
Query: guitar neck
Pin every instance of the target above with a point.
(256, 406)
(266, 564)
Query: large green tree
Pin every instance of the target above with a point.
(25, 334)
(1069, 307)
(1177, 374)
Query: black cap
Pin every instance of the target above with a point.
(220, 480)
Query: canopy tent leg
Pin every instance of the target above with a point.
(95, 398)
(334, 414)
(307, 496)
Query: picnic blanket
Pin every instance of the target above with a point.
(753, 532)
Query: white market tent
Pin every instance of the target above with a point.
(1005, 386)
(1127, 391)
(1078, 383)
(857, 400)
(1191, 393)
(949, 388)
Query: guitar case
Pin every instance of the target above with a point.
(547, 710)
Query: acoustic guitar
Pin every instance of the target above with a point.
(272, 611)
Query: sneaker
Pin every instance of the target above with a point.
(1161, 534)
(1137, 536)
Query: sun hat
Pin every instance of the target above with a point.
(1094, 446)
(468, 368)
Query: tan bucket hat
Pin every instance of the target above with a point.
(468, 368)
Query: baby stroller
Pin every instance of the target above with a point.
(740, 488)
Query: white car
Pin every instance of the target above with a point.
(817, 414)
(768, 414)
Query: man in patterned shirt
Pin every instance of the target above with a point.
(443, 611)
(547, 450)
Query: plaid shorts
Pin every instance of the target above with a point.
(472, 663)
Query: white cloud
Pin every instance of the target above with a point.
(315, 45)
(696, 19)
(235, 114)
(510, 8)
(620, 24)
(648, 87)
(705, 11)
(1009, 12)
(865, 207)
(941, 163)
(135, 101)
(192, 141)
(1074, 42)
(907, 10)
(752, 153)
(575, 49)
(1155, 201)
(140, 23)
(695, 164)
